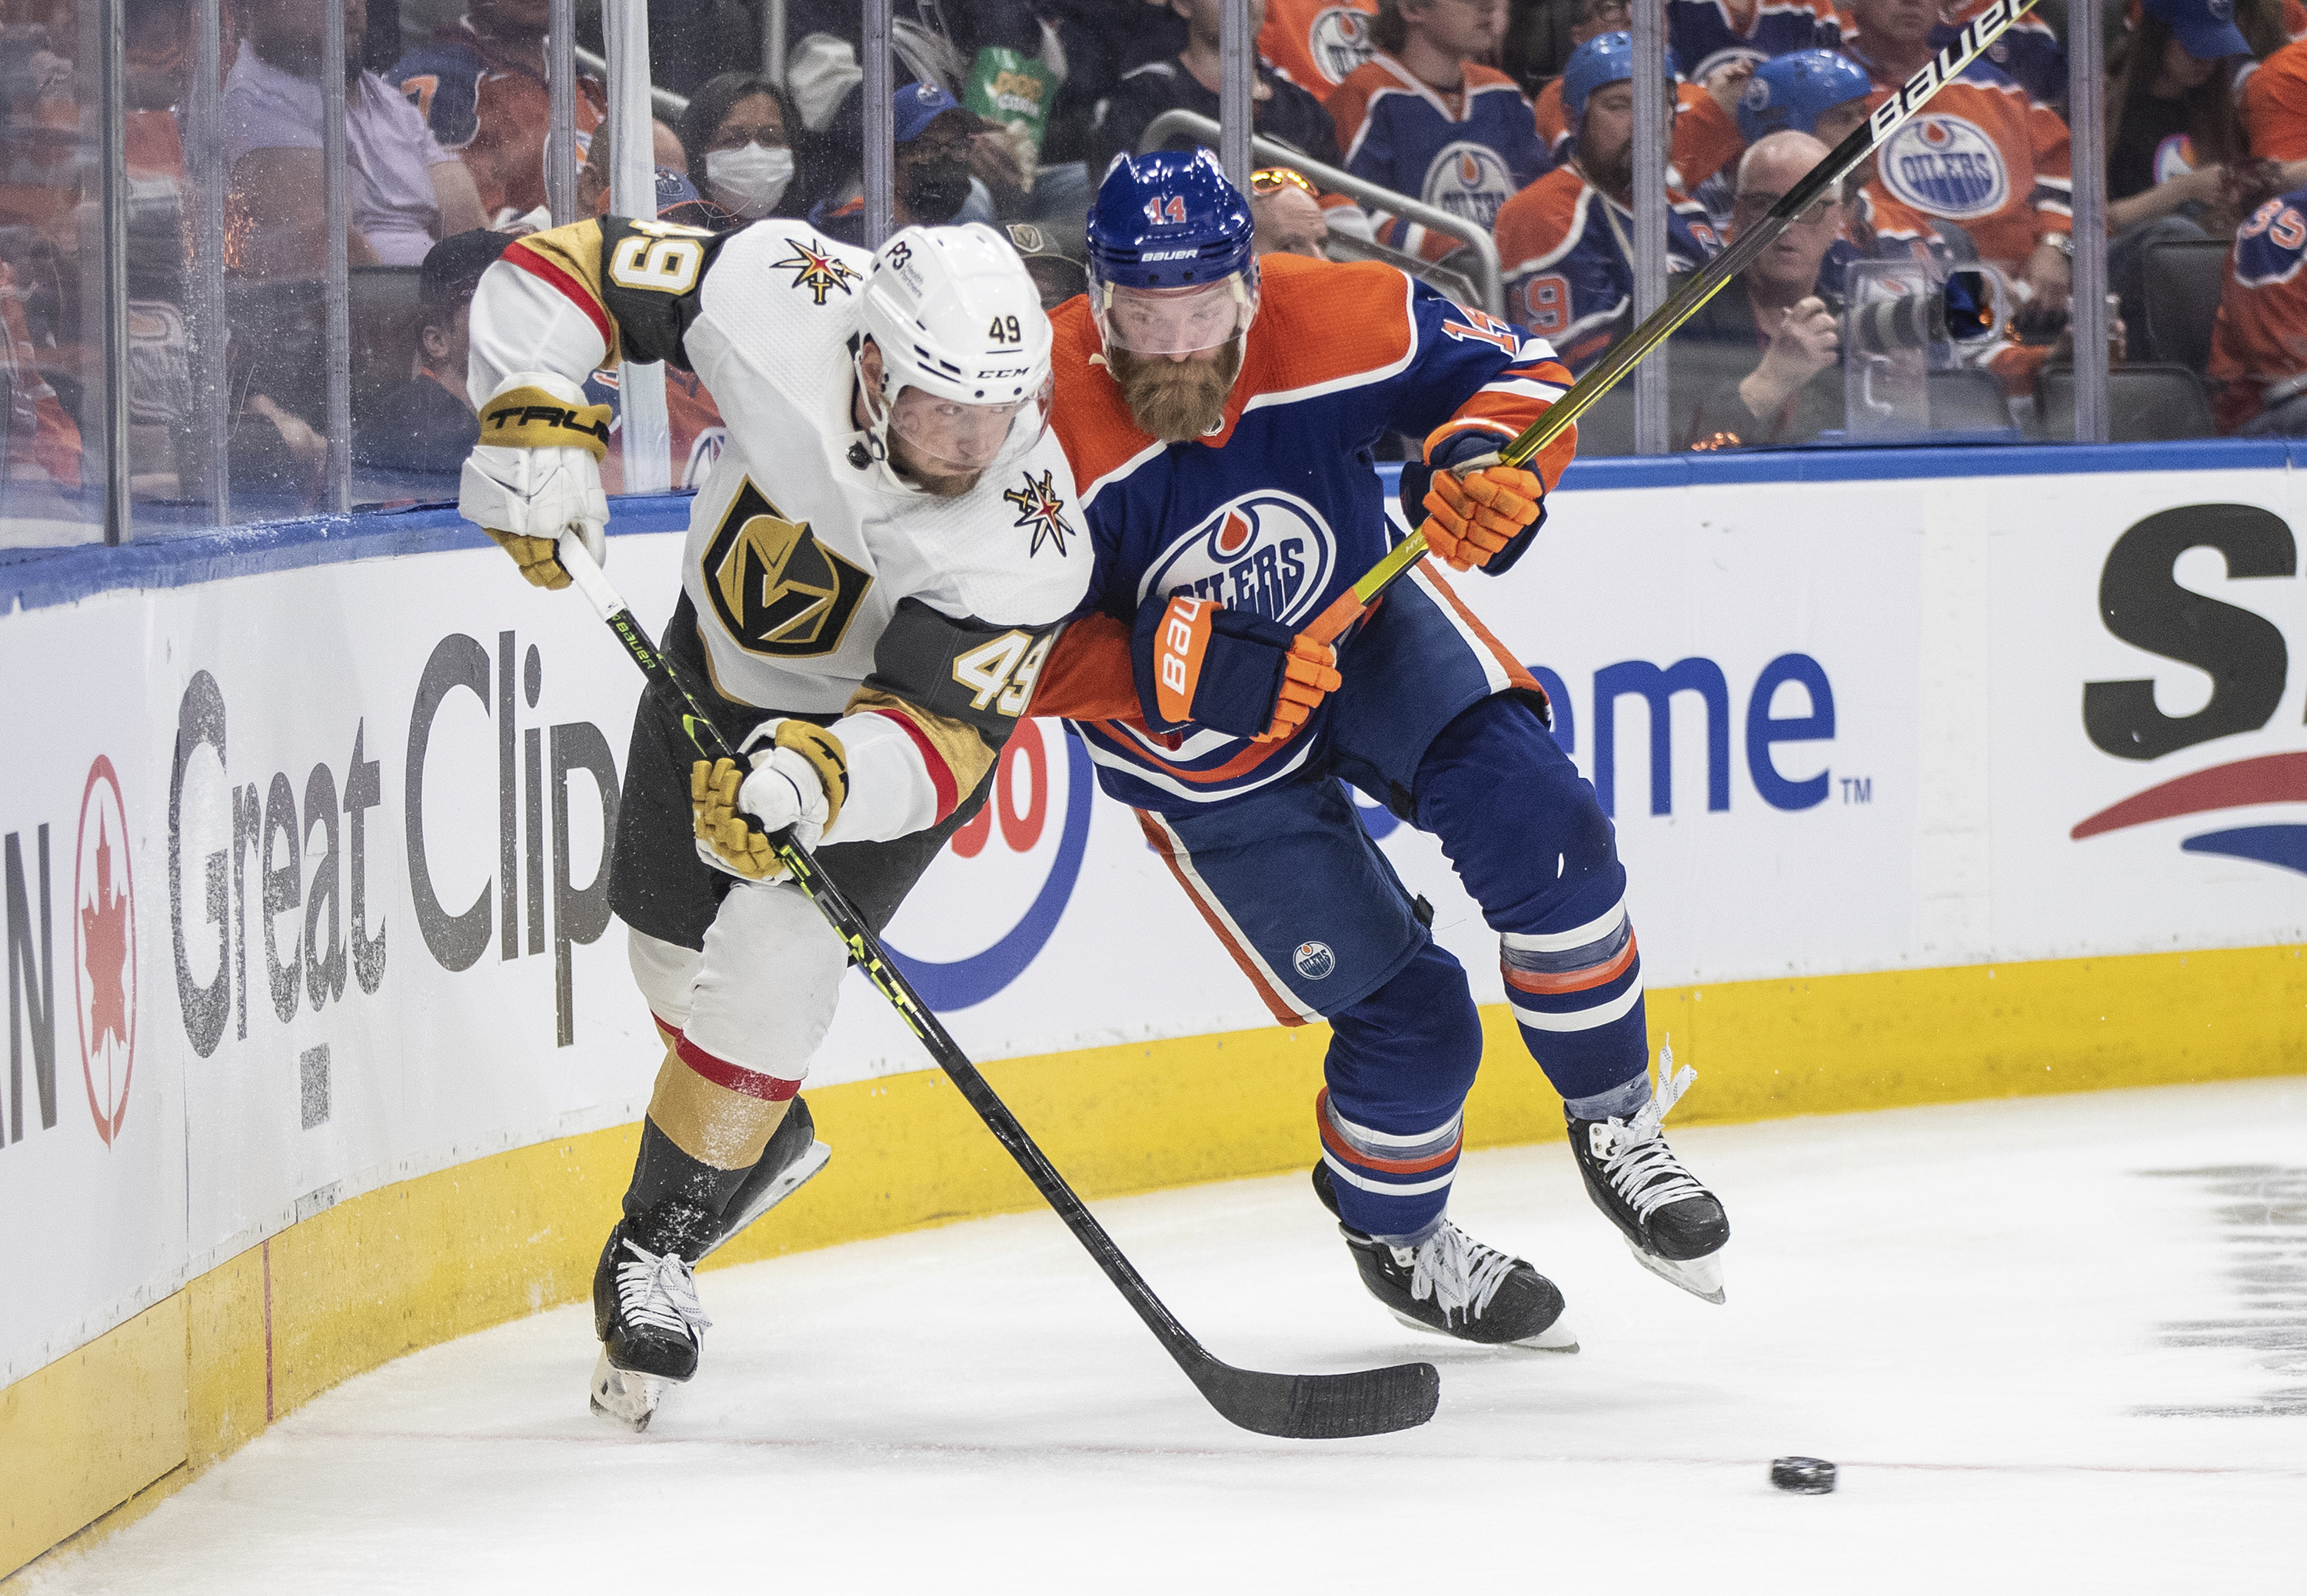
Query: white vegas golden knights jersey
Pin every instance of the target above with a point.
(800, 558)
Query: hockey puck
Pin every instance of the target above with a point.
(1804, 1476)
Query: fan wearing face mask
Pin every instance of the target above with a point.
(739, 152)
(933, 140)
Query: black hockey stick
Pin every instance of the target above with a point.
(1687, 301)
(1300, 1406)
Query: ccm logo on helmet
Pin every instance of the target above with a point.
(1005, 372)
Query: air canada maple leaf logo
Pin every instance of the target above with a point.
(104, 949)
(819, 270)
(1042, 507)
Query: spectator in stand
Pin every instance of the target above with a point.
(1424, 117)
(1280, 110)
(425, 429)
(934, 139)
(1317, 44)
(1287, 213)
(406, 190)
(2259, 345)
(677, 199)
(1056, 275)
(737, 142)
(2028, 50)
(482, 88)
(1723, 395)
(1565, 243)
(1714, 34)
(1705, 131)
(39, 445)
(1827, 95)
(2275, 105)
(1983, 154)
(2175, 137)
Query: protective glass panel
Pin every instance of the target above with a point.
(53, 385)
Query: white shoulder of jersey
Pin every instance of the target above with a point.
(1024, 559)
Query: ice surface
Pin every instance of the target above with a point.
(2052, 1348)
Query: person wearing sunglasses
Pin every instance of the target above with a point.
(1289, 214)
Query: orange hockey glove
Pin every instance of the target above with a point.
(1310, 673)
(1472, 518)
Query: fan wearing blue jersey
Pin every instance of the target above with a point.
(1424, 117)
(1220, 411)
(1565, 243)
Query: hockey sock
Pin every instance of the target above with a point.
(708, 1122)
(674, 1200)
(1547, 876)
(1400, 1064)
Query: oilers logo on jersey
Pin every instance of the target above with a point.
(1339, 41)
(1946, 165)
(1268, 552)
(1469, 181)
(775, 588)
(1733, 56)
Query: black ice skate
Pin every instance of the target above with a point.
(1452, 1285)
(646, 1311)
(1673, 1224)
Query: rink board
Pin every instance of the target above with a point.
(306, 1171)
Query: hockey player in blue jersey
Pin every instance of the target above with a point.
(1220, 420)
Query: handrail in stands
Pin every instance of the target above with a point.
(1484, 274)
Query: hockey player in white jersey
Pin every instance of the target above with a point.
(872, 576)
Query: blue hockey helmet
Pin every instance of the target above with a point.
(1791, 92)
(1169, 239)
(1607, 58)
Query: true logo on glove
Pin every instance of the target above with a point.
(520, 421)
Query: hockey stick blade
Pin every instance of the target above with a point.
(1969, 43)
(1299, 1407)
(1321, 1407)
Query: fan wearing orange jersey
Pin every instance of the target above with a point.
(1983, 154)
(1317, 44)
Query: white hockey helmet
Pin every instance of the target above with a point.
(965, 379)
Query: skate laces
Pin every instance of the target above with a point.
(1639, 1164)
(1460, 1273)
(659, 1290)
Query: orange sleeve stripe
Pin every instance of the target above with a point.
(1088, 675)
(574, 291)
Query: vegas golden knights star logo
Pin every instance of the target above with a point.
(1041, 506)
(819, 270)
(777, 589)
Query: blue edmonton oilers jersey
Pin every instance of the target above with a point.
(1281, 510)
(1468, 159)
(1709, 35)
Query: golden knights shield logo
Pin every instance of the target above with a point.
(777, 590)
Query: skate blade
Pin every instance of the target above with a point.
(1700, 1276)
(622, 1397)
(795, 1175)
(1556, 1337)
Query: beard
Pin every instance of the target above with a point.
(1175, 400)
(914, 470)
(1612, 172)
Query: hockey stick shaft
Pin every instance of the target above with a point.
(1209, 1375)
(1629, 352)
